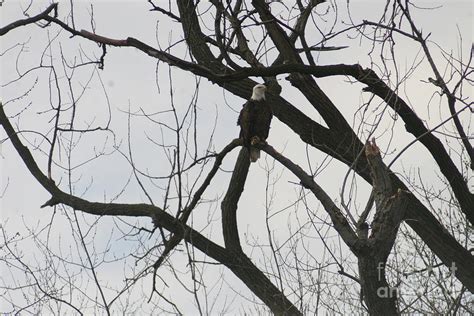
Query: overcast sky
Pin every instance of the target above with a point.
(129, 81)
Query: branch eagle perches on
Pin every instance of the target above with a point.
(220, 58)
(229, 256)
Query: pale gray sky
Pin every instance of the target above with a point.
(129, 79)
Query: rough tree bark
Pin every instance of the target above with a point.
(242, 266)
(391, 205)
(371, 251)
(394, 202)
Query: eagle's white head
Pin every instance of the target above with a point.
(258, 93)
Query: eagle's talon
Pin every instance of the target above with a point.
(255, 140)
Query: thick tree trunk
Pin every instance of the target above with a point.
(229, 203)
(379, 297)
(390, 204)
(239, 263)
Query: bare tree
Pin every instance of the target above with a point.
(358, 253)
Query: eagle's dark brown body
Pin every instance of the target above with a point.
(254, 120)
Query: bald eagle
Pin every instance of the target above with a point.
(254, 121)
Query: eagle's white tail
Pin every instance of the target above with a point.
(254, 154)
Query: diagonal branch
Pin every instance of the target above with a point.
(238, 263)
(443, 244)
(305, 83)
(282, 42)
(442, 84)
(43, 15)
(217, 163)
(413, 123)
(340, 223)
(159, 216)
(419, 218)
